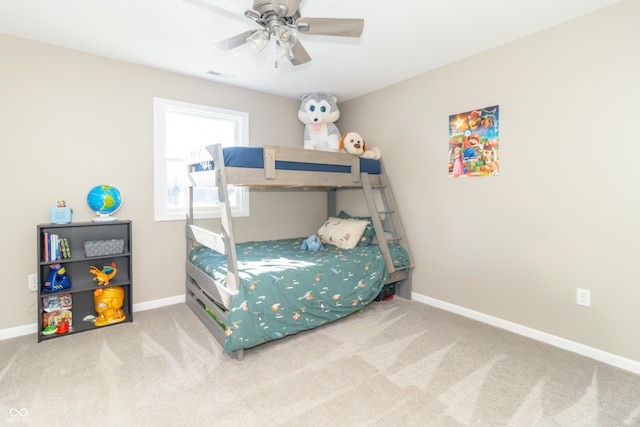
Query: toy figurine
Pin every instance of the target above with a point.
(57, 279)
(103, 277)
(109, 303)
(63, 328)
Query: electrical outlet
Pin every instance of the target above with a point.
(583, 297)
(32, 282)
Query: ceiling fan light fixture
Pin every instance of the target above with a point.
(284, 52)
(286, 36)
(259, 40)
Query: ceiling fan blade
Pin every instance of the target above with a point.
(235, 41)
(300, 54)
(331, 26)
(291, 6)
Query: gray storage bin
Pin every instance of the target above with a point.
(103, 247)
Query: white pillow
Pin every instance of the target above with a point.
(343, 233)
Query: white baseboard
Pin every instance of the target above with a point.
(565, 344)
(18, 331)
(149, 305)
(142, 306)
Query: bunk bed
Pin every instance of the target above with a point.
(254, 292)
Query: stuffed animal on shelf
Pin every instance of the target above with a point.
(318, 111)
(355, 144)
(312, 244)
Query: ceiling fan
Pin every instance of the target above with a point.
(281, 19)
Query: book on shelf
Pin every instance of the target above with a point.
(55, 247)
(46, 246)
(65, 249)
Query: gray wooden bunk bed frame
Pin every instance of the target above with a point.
(209, 299)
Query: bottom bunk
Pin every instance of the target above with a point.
(283, 289)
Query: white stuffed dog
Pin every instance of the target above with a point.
(355, 144)
(318, 111)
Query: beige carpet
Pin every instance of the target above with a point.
(398, 363)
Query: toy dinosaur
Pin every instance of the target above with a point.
(103, 277)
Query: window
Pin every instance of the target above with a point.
(180, 129)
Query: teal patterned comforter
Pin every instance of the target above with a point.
(285, 290)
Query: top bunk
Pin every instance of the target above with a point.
(274, 166)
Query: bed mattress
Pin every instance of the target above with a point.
(253, 157)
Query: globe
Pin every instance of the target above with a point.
(104, 200)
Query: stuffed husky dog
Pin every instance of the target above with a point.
(318, 111)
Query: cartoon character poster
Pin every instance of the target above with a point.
(474, 143)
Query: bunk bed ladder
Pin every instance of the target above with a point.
(225, 218)
(226, 235)
(386, 219)
(233, 278)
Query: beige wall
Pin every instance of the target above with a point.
(69, 121)
(564, 212)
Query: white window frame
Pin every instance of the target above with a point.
(161, 107)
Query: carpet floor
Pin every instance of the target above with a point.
(397, 363)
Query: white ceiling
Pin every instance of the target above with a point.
(400, 40)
